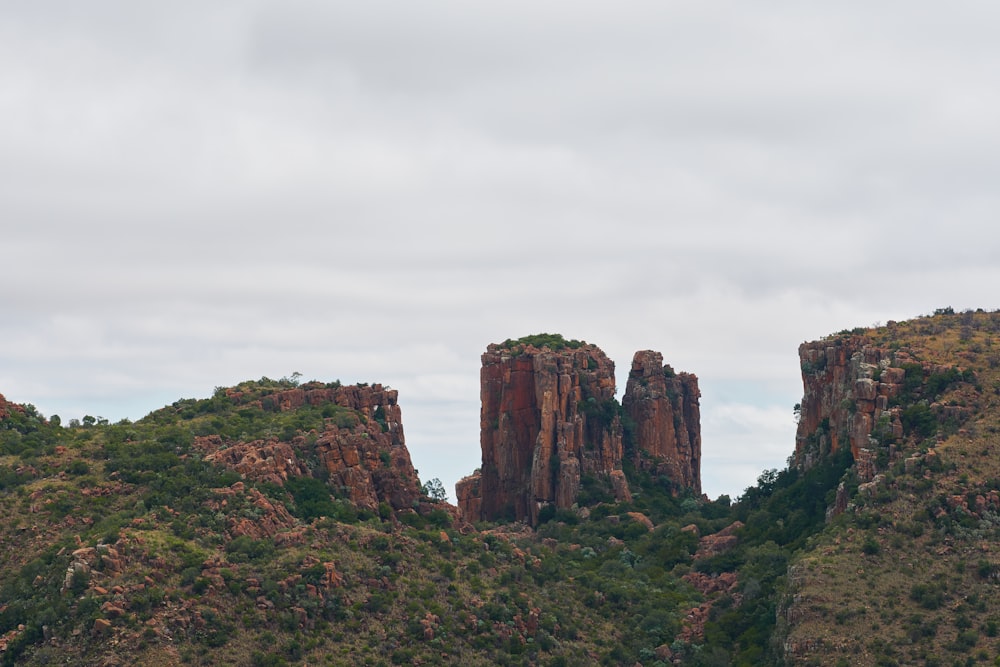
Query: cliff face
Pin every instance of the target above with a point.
(916, 404)
(844, 405)
(874, 399)
(664, 407)
(548, 417)
(362, 455)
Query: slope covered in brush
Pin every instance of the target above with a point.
(912, 554)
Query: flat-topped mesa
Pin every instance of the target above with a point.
(664, 407)
(549, 417)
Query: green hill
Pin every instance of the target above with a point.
(278, 524)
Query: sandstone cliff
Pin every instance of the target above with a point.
(550, 421)
(548, 418)
(362, 453)
(664, 408)
(870, 398)
(843, 402)
(915, 402)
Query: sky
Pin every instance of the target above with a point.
(194, 194)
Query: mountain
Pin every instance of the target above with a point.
(912, 553)
(282, 523)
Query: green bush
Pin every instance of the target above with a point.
(554, 342)
(311, 497)
(919, 420)
(929, 596)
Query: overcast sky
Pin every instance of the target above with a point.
(193, 194)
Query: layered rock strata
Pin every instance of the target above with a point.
(364, 459)
(848, 384)
(664, 407)
(548, 418)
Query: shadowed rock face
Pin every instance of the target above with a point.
(665, 411)
(548, 418)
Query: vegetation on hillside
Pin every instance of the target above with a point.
(913, 560)
(340, 585)
(121, 542)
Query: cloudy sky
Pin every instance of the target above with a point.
(193, 194)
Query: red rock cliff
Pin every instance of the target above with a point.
(548, 417)
(843, 404)
(364, 458)
(664, 407)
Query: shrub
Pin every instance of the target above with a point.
(312, 498)
(552, 341)
(928, 596)
(78, 467)
(871, 546)
(918, 419)
(245, 548)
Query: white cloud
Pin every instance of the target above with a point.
(192, 195)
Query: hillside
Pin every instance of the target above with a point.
(914, 558)
(232, 530)
(279, 523)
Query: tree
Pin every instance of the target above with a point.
(434, 490)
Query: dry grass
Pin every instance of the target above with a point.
(915, 587)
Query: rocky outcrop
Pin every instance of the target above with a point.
(469, 494)
(270, 520)
(362, 454)
(7, 408)
(847, 383)
(549, 417)
(266, 461)
(858, 395)
(664, 408)
(720, 542)
(370, 465)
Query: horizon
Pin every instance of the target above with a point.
(194, 196)
(721, 473)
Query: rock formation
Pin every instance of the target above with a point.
(469, 494)
(664, 408)
(843, 404)
(364, 457)
(6, 408)
(548, 418)
(859, 395)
